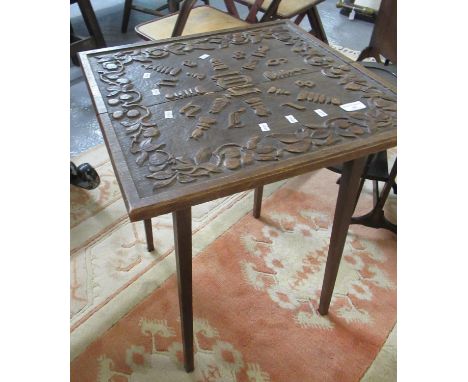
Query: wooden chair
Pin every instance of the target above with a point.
(172, 6)
(189, 20)
(384, 36)
(287, 9)
(94, 40)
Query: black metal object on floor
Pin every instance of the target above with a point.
(84, 176)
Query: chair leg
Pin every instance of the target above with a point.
(316, 24)
(126, 15)
(369, 52)
(91, 22)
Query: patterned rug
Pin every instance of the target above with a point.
(256, 287)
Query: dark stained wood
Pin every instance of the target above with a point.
(183, 250)
(149, 235)
(376, 217)
(316, 24)
(257, 202)
(203, 136)
(347, 194)
(384, 36)
(225, 176)
(95, 40)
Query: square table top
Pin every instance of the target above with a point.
(190, 119)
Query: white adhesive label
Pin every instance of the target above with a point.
(321, 112)
(264, 126)
(352, 106)
(146, 75)
(203, 56)
(155, 92)
(168, 114)
(291, 118)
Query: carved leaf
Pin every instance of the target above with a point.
(151, 132)
(252, 142)
(163, 183)
(285, 138)
(266, 149)
(232, 152)
(358, 115)
(321, 134)
(210, 167)
(352, 86)
(182, 178)
(203, 155)
(148, 145)
(312, 126)
(247, 158)
(266, 157)
(183, 167)
(158, 158)
(232, 163)
(135, 148)
(141, 158)
(346, 133)
(199, 172)
(132, 128)
(356, 130)
(299, 147)
(157, 168)
(162, 175)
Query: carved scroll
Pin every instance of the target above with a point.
(218, 105)
(191, 92)
(282, 73)
(243, 90)
(278, 91)
(234, 118)
(190, 110)
(198, 76)
(203, 124)
(317, 98)
(217, 64)
(164, 69)
(259, 107)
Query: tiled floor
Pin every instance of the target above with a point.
(84, 129)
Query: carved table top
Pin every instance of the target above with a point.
(191, 119)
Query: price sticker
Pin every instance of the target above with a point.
(321, 112)
(204, 56)
(155, 92)
(352, 106)
(264, 126)
(291, 118)
(168, 114)
(146, 75)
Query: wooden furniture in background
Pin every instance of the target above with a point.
(189, 20)
(95, 40)
(192, 119)
(172, 6)
(288, 9)
(384, 36)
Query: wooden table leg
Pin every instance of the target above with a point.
(349, 186)
(149, 235)
(257, 202)
(183, 250)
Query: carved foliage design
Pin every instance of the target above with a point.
(165, 168)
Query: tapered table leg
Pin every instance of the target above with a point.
(183, 250)
(257, 202)
(149, 235)
(349, 187)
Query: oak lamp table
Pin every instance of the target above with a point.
(191, 119)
